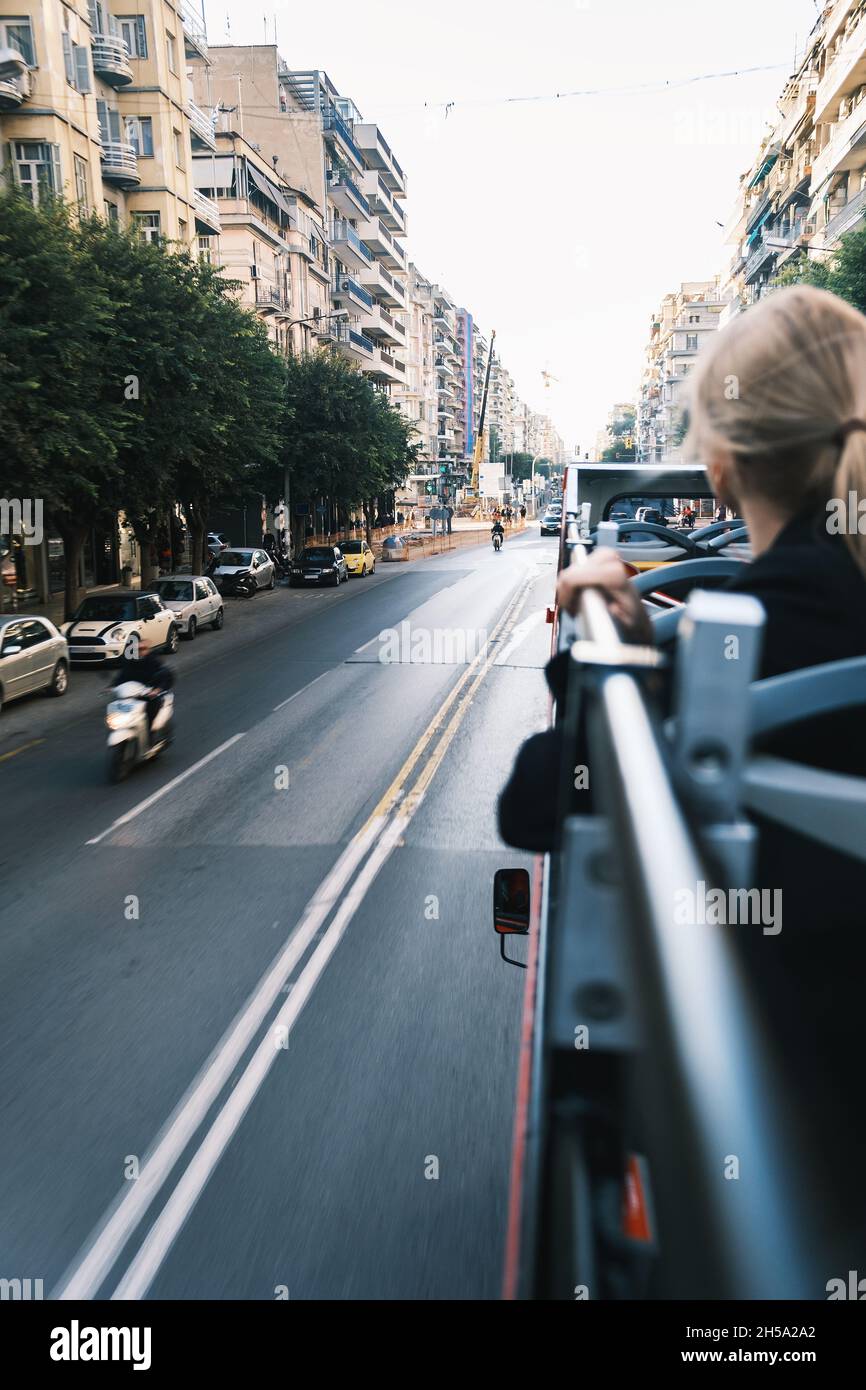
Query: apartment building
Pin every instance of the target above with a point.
(347, 174)
(447, 361)
(678, 331)
(807, 185)
(96, 106)
(272, 240)
(418, 397)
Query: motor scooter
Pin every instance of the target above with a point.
(129, 740)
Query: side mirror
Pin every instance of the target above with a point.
(511, 905)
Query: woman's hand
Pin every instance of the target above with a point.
(605, 571)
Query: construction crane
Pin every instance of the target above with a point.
(479, 440)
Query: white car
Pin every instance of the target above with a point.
(33, 656)
(105, 625)
(193, 599)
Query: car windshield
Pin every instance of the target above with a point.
(352, 547)
(105, 609)
(236, 557)
(318, 557)
(172, 591)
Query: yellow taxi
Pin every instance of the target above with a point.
(359, 558)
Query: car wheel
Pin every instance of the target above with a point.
(190, 630)
(172, 642)
(218, 621)
(60, 680)
(273, 583)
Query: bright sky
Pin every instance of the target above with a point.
(560, 223)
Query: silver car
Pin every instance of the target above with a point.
(242, 564)
(193, 599)
(33, 656)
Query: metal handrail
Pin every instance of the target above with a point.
(709, 1077)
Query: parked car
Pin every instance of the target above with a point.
(194, 600)
(33, 656)
(235, 565)
(651, 514)
(359, 558)
(319, 564)
(102, 627)
(395, 548)
(217, 542)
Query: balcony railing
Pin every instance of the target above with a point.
(201, 126)
(340, 180)
(120, 162)
(334, 124)
(194, 25)
(346, 285)
(111, 59)
(362, 341)
(206, 208)
(848, 53)
(341, 231)
(846, 218)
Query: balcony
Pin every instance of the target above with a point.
(111, 59)
(346, 244)
(336, 132)
(346, 195)
(14, 89)
(120, 164)
(348, 293)
(201, 128)
(845, 73)
(387, 368)
(380, 156)
(382, 202)
(846, 149)
(765, 251)
(207, 211)
(845, 220)
(389, 291)
(380, 241)
(380, 324)
(194, 29)
(269, 299)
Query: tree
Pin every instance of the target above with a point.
(61, 437)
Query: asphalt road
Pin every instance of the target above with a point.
(257, 1040)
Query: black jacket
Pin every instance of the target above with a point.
(148, 670)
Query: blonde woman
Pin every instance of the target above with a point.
(778, 418)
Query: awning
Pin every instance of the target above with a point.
(756, 230)
(770, 157)
(267, 188)
(213, 171)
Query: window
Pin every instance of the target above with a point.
(147, 225)
(204, 249)
(110, 211)
(181, 230)
(111, 129)
(691, 342)
(139, 133)
(76, 64)
(36, 166)
(178, 148)
(18, 34)
(133, 31)
(34, 633)
(81, 194)
(170, 48)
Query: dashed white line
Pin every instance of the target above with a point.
(298, 693)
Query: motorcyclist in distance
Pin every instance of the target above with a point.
(140, 663)
(497, 530)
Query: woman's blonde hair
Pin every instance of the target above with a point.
(783, 389)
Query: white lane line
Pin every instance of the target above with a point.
(162, 1235)
(169, 786)
(298, 693)
(519, 635)
(98, 1256)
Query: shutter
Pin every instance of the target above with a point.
(56, 178)
(141, 36)
(82, 68)
(68, 63)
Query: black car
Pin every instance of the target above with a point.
(319, 564)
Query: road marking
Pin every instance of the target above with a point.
(169, 786)
(93, 1265)
(520, 634)
(165, 1229)
(299, 693)
(377, 837)
(34, 743)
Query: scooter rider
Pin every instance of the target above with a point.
(497, 530)
(140, 663)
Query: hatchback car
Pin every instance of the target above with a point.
(33, 656)
(359, 558)
(240, 564)
(106, 624)
(193, 599)
(319, 564)
(551, 523)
